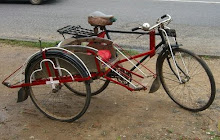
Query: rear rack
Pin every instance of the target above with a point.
(76, 31)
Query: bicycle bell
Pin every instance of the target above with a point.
(146, 26)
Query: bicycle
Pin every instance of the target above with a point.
(87, 58)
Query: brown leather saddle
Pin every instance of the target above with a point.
(98, 18)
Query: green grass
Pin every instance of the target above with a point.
(44, 44)
(28, 43)
(131, 52)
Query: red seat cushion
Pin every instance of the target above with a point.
(105, 55)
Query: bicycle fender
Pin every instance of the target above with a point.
(56, 51)
(156, 83)
(22, 95)
(160, 56)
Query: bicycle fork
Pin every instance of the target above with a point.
(177, 67)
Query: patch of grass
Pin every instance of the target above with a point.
(219, 125)
(214, 135)
(28, 43)
(131, 52)
(216, 138)
(169, 131)
(148, 137)
(208, 57)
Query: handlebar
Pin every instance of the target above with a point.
(157, 24)
(136, 28)
(163, 16)
(161, 22)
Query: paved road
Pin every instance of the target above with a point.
(197, 21)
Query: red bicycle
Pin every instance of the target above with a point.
(61, 80)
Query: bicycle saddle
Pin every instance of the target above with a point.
(98, 18)
(100, 14)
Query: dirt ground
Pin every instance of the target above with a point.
(115, 114)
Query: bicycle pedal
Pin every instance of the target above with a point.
(140, 88)
(145, 84)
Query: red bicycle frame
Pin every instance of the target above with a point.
(150, 53)
(99, 73)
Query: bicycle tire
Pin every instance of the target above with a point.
(61, 105)
(187, 94)
(36, 2)
(96, 87)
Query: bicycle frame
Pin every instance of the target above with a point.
(152, 35)
(163, 33)
(145, 55)
(111, 67)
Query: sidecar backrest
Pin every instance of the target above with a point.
(94, 42)
(104, 48)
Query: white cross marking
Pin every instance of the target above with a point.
(52, 82)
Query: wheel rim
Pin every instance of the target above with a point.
(195, 90)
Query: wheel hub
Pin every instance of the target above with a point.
(185, 80)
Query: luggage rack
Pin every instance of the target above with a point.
(76, 31)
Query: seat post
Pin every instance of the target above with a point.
(106, 31)
(102, 28)
(96, 30)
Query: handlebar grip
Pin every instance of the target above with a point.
(163, 16)
(134, 29)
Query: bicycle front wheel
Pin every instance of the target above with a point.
(188, 81)
(55, 100)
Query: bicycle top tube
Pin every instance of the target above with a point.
(143, 27)
(128, 32)
(124, 32)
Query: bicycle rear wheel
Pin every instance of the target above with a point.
(59, 103)
(195, 90)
